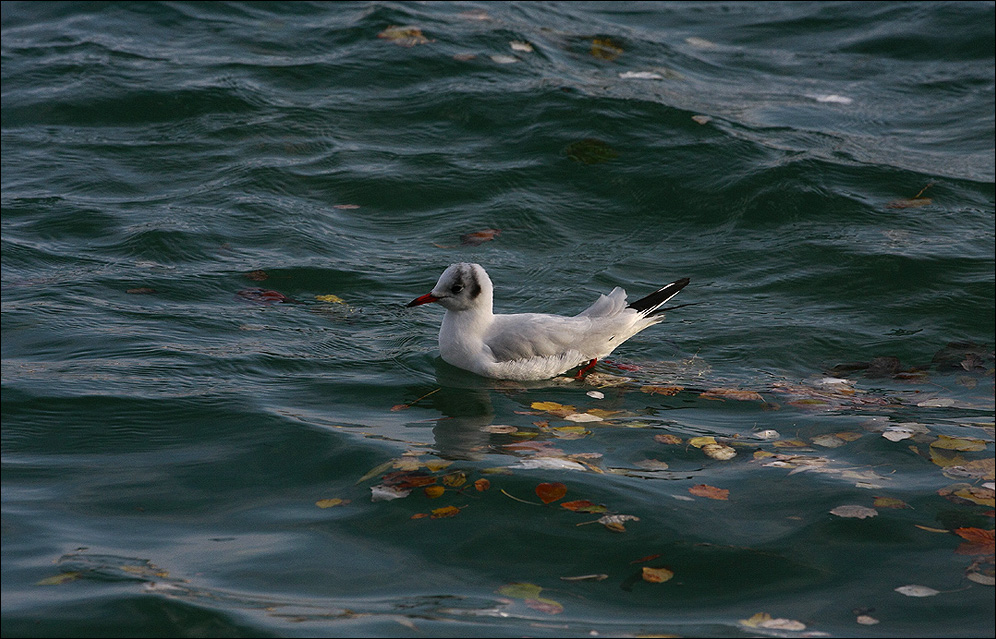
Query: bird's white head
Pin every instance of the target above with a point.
(461, 287)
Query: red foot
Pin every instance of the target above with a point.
(584, 369)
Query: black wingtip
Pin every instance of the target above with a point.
(651, 303)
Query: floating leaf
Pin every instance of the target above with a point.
(525, 47)
(640, 75)
(570, 432)
(454, 480)
(767, 434)
(387, 493)
(731, 393)
(662, 390)
(345, 207)
(61, 578)
(520, 590)
(866, 620)
(596, 394)
(596, 577)
(264, 297)
(549, 463)
(890, 502)
(505, 59)
(583, 417)
(943, 458)
(656, 575)
(791, 443)
(591, 151)
(550, 492)
(958, 443)
(615, 522)
(979, 469)
(701, 119)
(981, 578)
(329, 503)
(651, 464)
(335, 299)
(584, 506)
(914, 590)
(667, 439)
(764, 620)
(256, 276)
(404, 36)
(858, 512)
(549, 606)
(909, 203)
(605, 49)
(432, 492)
(479, 237)
(554, 407)
(710, 492)
(721, 452)
(699, 442)
(481, 485)
(978, 541)
(828, 441)
(445, 511)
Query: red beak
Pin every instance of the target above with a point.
(428, 298)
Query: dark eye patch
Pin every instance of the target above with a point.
(456, 288)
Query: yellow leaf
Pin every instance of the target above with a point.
(944, 459)
(432, 492)
(605, 49)
(329, 503)
(520, 590)
(761, 454)
(656, 575)
(335, 299)
(454, 480)
(929, 529)
(437, 464)
(699, 442)
(604, 414)
(570, 432)
(445, 511)
(981, 468)
(957, 443)
(889, 502)
(849, 436)
(560, 410)
(61, 578)
(978, 495)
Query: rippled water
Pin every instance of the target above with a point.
(213, 215)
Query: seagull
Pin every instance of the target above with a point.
(533, 346)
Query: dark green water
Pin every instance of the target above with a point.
(823, 172)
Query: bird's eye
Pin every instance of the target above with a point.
(456, 289)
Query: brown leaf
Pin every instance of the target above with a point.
(662, 390)
(404, 36)
(584, 506)
(550, 492)
(432, 492)
(978, 541)
(482, 484)
(329, 503)
(256, 276)
(656, 575)
(909, 203)
(731, 393)
(667, 439)
(479, 237)
(711, 492)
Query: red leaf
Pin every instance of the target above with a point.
(550, 492)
